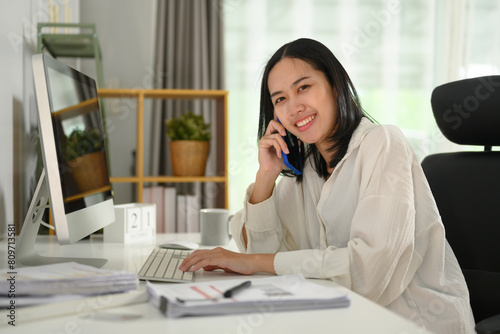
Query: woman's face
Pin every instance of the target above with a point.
(303, 100)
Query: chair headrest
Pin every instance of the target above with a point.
(468, 111)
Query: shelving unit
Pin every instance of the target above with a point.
(221, 98)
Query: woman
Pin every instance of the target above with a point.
(362, 213)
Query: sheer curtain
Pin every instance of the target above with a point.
(467, 39)
(396, 52)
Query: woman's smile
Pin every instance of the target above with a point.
(305, 123)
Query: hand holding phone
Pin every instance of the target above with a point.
(292, 160)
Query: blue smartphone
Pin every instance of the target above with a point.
(292, 160)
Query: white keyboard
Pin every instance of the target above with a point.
(162, 265)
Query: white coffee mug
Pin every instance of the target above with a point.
(214, 227)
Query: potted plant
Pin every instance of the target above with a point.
(190, 144)
(84, 154)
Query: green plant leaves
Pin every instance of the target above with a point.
(188, 126)
(83, 142)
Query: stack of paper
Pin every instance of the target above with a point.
(41, 284)
(277, 293)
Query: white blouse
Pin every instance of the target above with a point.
(372, 227)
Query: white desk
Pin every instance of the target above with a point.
(363, 316)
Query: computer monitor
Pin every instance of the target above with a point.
(75, 180)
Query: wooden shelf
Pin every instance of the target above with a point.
(190, 94)
(87, 193)
(168, 179)
(82, 108)
(221, 98)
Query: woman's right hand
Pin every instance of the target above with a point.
(271, 146)
(271, 162)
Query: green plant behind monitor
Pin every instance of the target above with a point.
(81, 142)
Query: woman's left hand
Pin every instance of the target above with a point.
(220, 258)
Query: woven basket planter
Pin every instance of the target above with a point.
(90, 171)
(189, 157)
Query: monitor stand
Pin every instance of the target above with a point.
(25, 250)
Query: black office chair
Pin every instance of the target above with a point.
(466, 186)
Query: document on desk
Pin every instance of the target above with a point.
(40, 284)
(69, 288)
(268, 294)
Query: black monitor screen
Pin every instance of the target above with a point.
(79, 137)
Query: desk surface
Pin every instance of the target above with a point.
(363, 316)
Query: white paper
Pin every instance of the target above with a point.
(291, 292)
(65, 278)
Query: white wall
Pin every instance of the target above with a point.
(10, 91)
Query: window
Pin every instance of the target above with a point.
(395, 52)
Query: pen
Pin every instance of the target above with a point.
(230, 292)
(227, 294)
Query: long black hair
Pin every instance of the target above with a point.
(349, 110)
